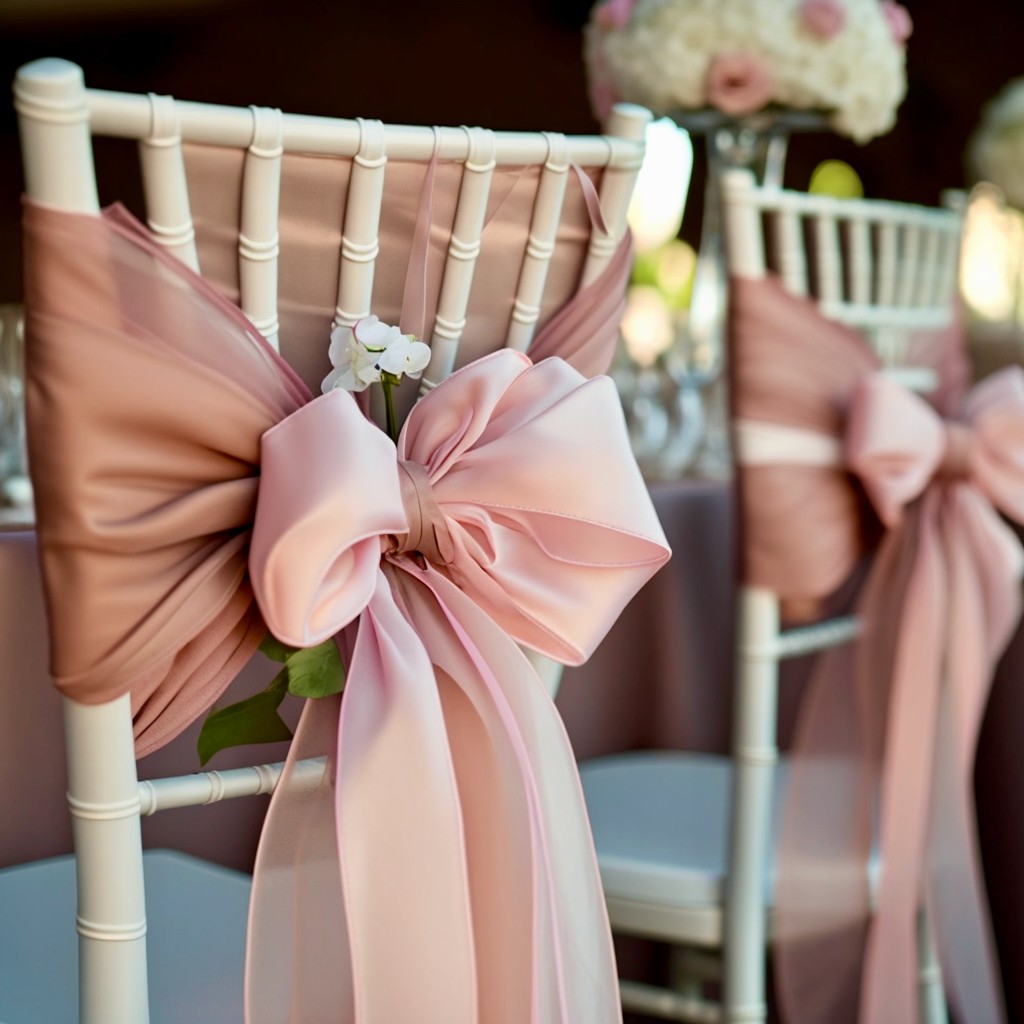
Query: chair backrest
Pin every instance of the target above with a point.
(58, 117)
(888, 270)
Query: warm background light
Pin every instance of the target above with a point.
(647, 326)
(991, 267)
(656, 211)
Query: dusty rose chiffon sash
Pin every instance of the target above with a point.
(831, 452)
(190, 489)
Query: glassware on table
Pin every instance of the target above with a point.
(660, 392)
(15, 487)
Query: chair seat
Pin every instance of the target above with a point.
(197, 915)
(660, 824)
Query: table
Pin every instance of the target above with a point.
(32, 769)
(661, 679)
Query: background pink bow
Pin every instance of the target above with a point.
(900, 708)
(959, 608)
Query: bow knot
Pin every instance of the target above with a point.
(512, 557)
(897, 444)
(429, 533)
(957, 457)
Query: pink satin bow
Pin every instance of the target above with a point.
(961, 606)
(465, 861)
(941, 602)
(441, 869)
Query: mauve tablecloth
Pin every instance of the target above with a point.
(660, 679)
(33, 816)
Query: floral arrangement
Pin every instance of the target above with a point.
(844, 57)
(996, 150)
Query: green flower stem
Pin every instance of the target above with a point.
(389, 407)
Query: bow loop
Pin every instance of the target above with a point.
(895, 443)
(515, 455)
(329, 491)
(995, 410)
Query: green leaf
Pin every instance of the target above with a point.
(315, 671)
(253, 720)
(274, 649)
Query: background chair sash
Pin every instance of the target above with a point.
(903, 711)
(426, 878)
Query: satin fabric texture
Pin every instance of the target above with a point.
(312, 212)
(838, 464)
(192, 493)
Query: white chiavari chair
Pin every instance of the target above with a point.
(195, 911)
(685, 840)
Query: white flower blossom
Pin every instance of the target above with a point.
(405, 356)
(362, 353)
(355, 366)
(374, 335)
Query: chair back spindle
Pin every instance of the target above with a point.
(540, 246)
(463, 250)
(360, 243)
(626, 128)
(258, 238)
(165, 186)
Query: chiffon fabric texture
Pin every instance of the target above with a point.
(838, 464)
(192, 494)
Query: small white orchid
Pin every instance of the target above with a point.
(355, 367)
(374, 352)
(405, 356)
(374, 335)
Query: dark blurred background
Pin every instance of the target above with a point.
(516, 65)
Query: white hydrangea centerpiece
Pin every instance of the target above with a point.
(846, 58)
(996, 150)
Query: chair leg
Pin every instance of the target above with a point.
(755, 758)
(690, 969)
(929, 976)
(663, 1003)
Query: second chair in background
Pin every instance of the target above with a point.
(824, 292)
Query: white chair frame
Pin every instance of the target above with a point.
(910, 286)
(57, 118)
(886, 269)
